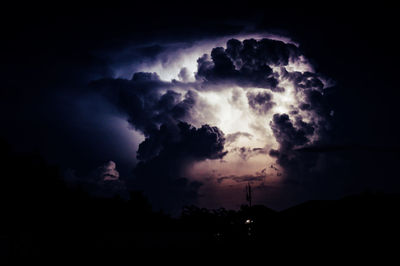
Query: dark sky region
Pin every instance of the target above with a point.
(301, 101)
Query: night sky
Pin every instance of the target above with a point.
(191, 102)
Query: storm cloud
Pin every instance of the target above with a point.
(164, 156)
(260, 102)
(267, 76)
(246, 63)
(147, 101)
(183, 68)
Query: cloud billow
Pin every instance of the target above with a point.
(280, 99)
(170, 144)
(145, 101)
(246, 63)
(260, 102)
(164, 156)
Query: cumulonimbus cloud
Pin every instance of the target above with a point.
(260, 97)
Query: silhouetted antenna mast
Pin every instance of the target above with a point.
(248, 194)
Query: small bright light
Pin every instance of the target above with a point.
(248, 221)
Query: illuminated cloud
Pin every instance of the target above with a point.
(222, 110)
(109, 172)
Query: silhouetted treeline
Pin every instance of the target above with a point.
(40, 213)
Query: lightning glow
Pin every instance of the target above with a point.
(228, 108)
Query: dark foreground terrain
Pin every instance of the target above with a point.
(44, 218)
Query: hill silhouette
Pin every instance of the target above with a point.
(41, 215)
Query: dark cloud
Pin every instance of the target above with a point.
(307, 128)
(274, 153)
(231, 138)
(163, 157)
(183, 141)
(170, 144)
(348, 148)
(260, 102)
(144, 102)
(184, 74)
(259, 150)
(286, 134)
(51, 58)
(316, 95)
(290, 137)
(246, 63)
(316, 101)
(303, 80)
(258, 177)
(245, 152)
(145, 77)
